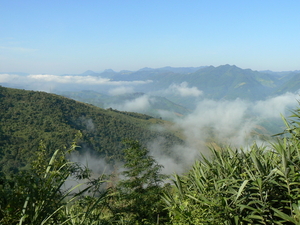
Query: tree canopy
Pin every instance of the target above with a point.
(27, 117)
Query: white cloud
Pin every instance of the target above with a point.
(36, 81)
(140, 104)
(135, 82)
(7, 78)
(224, 120)
(273, 107)
(228, 122)
(96, 164)
(70, 79)
(121, 90)
(183, 90)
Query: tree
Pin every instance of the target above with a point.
(140, 190)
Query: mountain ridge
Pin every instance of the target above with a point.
(221, 82)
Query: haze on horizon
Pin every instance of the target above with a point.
(56, 37)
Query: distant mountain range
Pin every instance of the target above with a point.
(222, 82)
(26, 117)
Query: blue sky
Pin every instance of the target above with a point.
(58, 37)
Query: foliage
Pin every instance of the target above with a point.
(37, 196)
(138, 194)
(27, 117)
(256, 186)
(259, 185)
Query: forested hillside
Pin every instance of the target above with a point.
(28, 117)
(258, 185)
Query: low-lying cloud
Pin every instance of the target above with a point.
(140, 104)
(82, 80)
(48, 81)
(69, 79)
(273, 107)
(183, 90)
(228, 122)
(233, 121)
(97, 165)
(225, 122)
(121, 90)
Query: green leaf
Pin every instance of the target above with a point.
(284, 216)
(241, 189)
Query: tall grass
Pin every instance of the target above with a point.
(36, 195)
(231, 186)
(235, 186)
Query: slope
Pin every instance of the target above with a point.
(27, 117)
(291, 85)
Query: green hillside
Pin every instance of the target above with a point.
(27, 117)
(291, 85)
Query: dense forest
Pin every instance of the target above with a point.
(29, 117)
(258, 185)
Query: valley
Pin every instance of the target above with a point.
(124, 135)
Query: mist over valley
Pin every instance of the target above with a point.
(149, 112)
(205, 106)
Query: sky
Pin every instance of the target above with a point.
(70, 37)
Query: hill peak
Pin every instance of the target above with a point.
(108, 71)
(88, 72)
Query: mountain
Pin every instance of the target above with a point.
(151, 74)
(281, 73)
(292, 84)
(28, 117)
(184, 70)
(231, 82)
(105, 74)
(222, 82)
(89, 72)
